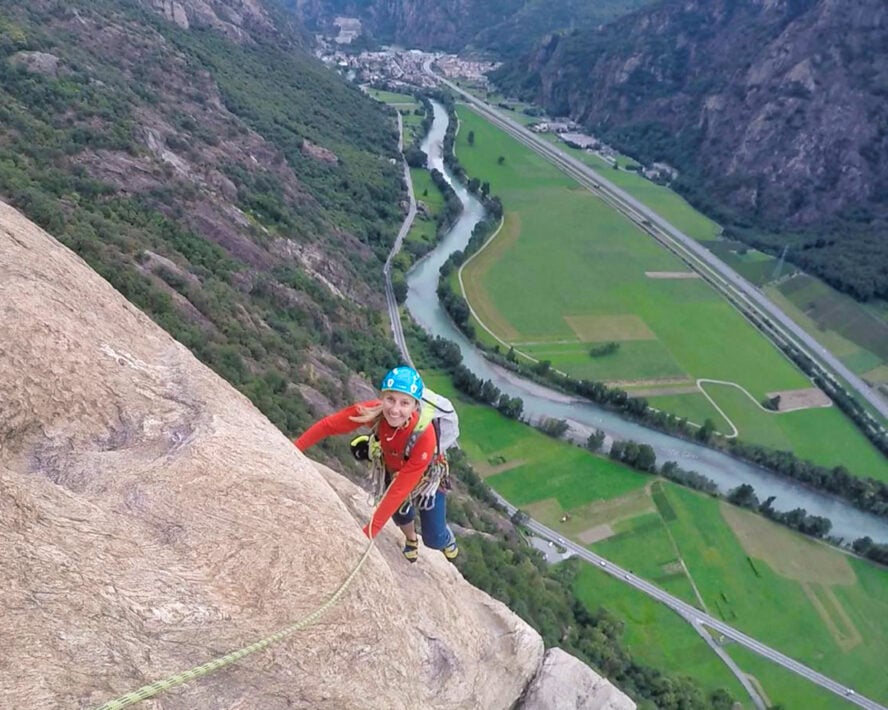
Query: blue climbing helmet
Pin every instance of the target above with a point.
(403, 379)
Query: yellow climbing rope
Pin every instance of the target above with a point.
(160, 686)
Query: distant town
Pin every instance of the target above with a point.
(399, 69)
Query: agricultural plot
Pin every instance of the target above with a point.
(771, 583)
(429, 201)
(656, 635)
(823, 435)
(781, 688)
(691, 406)
(659, 198)
(755, 266)
(811, 601)
(854, 333)
(392, 97)
(554, 288)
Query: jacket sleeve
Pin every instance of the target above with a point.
(340, 422)
(405, 481)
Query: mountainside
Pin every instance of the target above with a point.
(217, 175)
(775, 111)
(501, 27)
(152, 520)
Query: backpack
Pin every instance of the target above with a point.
(438, 411)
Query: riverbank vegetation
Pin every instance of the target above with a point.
(842, 438)
(763, 579)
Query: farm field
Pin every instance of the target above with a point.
(552, 291)
(692, 406)
(657, 636)
(824, 435)
(857, 335)
(772, 582)
(659, 198)
(768, 581)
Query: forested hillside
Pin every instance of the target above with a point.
(218, 176)
(775, 114)
(497, 27)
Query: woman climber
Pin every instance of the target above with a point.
(405, 459)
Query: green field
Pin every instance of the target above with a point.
(424, 229)
(823, 435)
(857, 335)
(655, 635)
(693, 407)
(553, 288)
(659, 198)
(809, 600)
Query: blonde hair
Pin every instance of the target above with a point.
(368, 415)
(371, 415)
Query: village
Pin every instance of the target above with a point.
(400, 69)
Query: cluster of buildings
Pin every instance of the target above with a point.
(403, 69)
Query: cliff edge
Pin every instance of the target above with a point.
(151, 519)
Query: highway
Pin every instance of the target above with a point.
(706, 263)
(730, 280)
(694, 616)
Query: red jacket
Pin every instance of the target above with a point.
(406, 472)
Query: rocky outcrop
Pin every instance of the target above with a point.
(566, 682)
(151, 519)
(39, 62)
(233, 18)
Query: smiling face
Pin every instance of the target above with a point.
(397, 408)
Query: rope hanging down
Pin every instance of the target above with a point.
(160, 686)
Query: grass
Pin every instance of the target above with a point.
(648, 356)
(811, 601)
(773, 606)
(693, 407)
(659, 198)
(823, 435)
(655, 635)
(594, 264)
(392, 97)
(424, 229)
(539, 278)
(845, 327)
(784, 688)
(755, 266)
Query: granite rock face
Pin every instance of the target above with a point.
(566, 683)
(151, 520)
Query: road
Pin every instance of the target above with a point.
(650, 221)
(694, 616)
(391, 302)
(691, 614)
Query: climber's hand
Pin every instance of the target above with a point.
(360, 447)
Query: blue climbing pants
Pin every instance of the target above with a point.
(436, 534)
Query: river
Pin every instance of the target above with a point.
(422, 302)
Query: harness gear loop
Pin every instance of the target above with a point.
(436, 475)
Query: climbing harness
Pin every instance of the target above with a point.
(160, 686)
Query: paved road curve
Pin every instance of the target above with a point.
(652, 222)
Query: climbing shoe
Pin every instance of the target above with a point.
(411, 550)
(451, 551)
